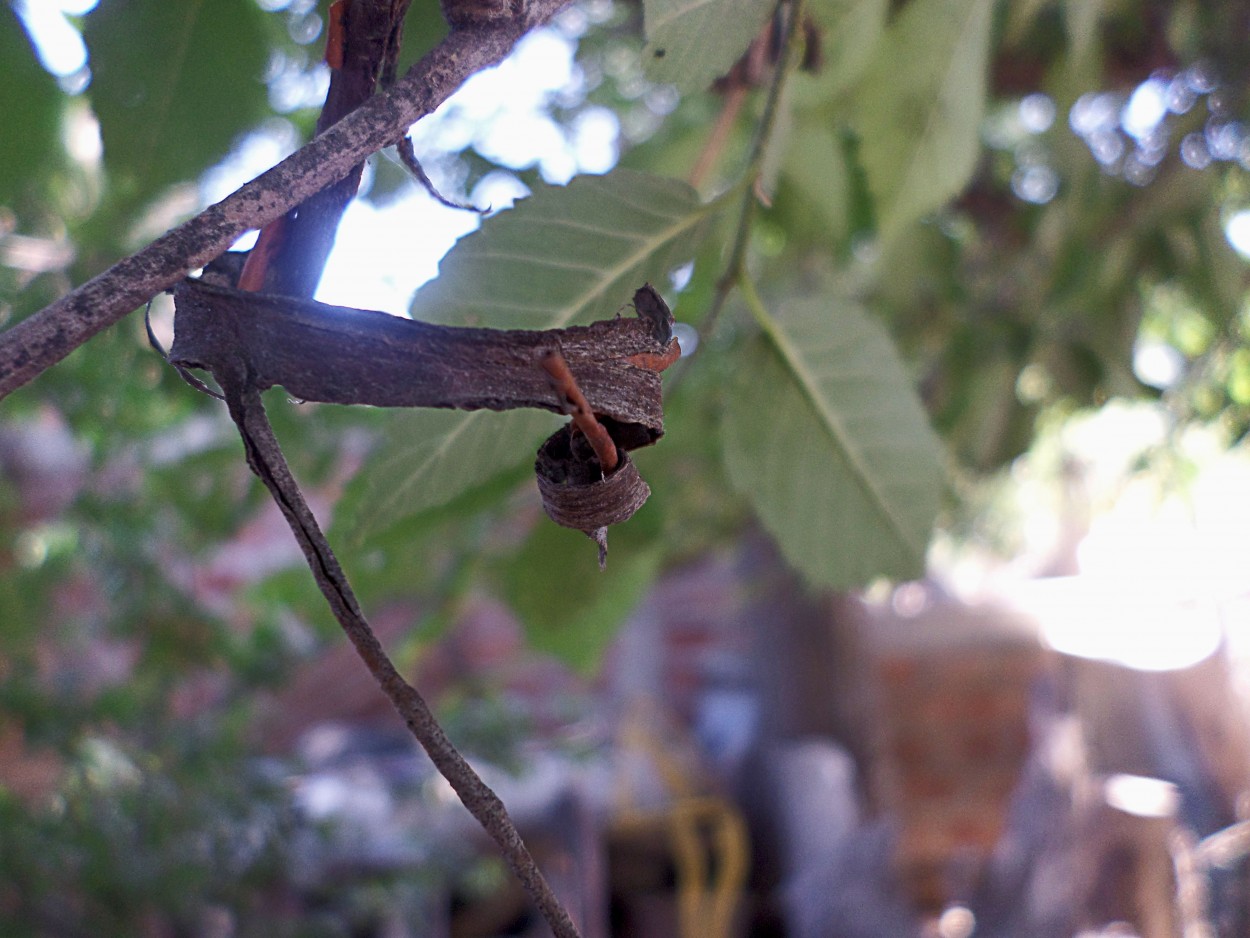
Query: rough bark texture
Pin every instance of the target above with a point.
(339, 355)
(367, 38)
(265, 458)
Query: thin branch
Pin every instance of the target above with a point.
(265, 458)
(408, 156)
(43, 339)
(786, 62)
(340, 355)
(292, 250)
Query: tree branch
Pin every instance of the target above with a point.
(265, 458)
(340, 355)
(43, 339)
(291, 252)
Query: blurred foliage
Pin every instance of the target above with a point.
(147, 96)
(30, 99)
(162, 829)
(954, 187)
(689, 45)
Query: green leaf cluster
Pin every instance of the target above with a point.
(898, 314)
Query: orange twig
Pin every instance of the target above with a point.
(575, 404)
(336, 32)
(259, 258)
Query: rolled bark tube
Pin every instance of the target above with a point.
(576, 493)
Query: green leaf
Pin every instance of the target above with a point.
(173, 85)
(692, 42)
(432, 456)
(566, 254)
(918, 107)
(31, 104)
(825, 436)
(816, 165)
(571, 608)
(849, 33)
(424, 27)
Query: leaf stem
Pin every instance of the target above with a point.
(736, 265)
(751, 297)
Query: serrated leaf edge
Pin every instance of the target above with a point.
(890, 221)
(790, 356)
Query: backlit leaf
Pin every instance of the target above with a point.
(431, 456)
(692, 42)
(565, 255)
(571, 608)
(173, 85)
(918, 107)
(827, 439)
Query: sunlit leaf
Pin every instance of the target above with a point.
(827, 439)
(173, 85)
(31, 104)
(918, 107)
(692, 42)
(565, 255)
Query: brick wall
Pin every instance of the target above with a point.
(951, 687)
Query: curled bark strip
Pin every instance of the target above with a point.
(340, 355)
(577, 494)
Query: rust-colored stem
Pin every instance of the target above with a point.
(719, 136)
(575, 404)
